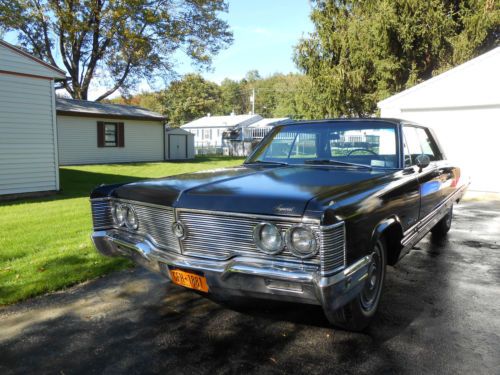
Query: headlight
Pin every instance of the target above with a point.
(119, 213)
(268, 238)
(301, 241)
(131, 219)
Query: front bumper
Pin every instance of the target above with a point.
(244, 276)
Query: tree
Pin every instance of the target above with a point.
(118, 41)
(364, 51)
(233, 100)
(190, 98)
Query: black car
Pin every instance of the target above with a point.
(314, 216)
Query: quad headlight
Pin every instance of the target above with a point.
(301, 241)
(119, 213)
(124, 215)
(268, 238)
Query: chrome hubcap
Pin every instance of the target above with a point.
(371, 291)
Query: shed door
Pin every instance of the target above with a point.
(177, 146)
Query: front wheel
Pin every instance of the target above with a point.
(357, 314)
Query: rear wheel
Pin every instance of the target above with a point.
(357, 314)
(444, 225)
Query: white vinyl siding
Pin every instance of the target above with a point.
(77, 137)
(13, 61)
(27, 141)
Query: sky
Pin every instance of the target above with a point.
(264, 31)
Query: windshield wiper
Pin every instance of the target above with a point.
(266, 162)
(336, 162)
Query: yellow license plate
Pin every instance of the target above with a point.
(189, 280)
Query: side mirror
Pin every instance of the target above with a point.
(423, 161)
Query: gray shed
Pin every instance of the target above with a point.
(179, 144)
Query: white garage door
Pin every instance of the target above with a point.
(470, 136)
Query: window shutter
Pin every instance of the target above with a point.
(100, 134)
(121, 134)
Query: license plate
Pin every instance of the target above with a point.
(189, 280)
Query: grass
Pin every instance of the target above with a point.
(45, 243)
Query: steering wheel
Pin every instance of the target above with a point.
(361, 149)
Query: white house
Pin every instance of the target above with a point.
(28, 136)
(93, 133)
(259, 129)
(208, 130)
(463, 106)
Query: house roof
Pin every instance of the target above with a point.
(269, 122)
(87, 108)
(222, 121)
(57, 73)
(473, 83)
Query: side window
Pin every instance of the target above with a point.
(407, 153)
(412, 145)
(429, 147)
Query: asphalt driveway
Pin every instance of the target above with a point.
(440, 313)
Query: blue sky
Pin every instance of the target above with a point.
(264, 35)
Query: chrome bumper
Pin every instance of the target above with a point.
(244, 276)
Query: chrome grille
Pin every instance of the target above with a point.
(332, 249)
(222, 236)
(155, 223)
(101, 214)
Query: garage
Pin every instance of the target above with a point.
(179, 144)
(102, 133)
(28, 139)
(462, 105)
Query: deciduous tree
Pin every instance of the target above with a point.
(190, 98)
(118, 42)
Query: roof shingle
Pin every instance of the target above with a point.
(74, 107)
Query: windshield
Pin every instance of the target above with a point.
(362, 143)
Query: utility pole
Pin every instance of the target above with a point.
(252, 100)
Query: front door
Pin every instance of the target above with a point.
(431, 180)
(177, 146)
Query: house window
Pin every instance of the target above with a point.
(110, 134)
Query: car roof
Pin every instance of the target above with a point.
(394, 121)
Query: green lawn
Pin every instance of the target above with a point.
(45, 243)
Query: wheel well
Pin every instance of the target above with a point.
(393, 235)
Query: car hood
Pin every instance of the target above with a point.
(249, 189)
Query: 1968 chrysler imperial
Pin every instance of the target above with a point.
(313, 215)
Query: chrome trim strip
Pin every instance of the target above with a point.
(420, 225)
(251, 216)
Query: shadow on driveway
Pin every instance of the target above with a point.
(439, 314)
